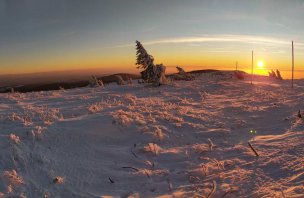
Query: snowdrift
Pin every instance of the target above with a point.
(185, 139)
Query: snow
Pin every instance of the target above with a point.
(184, 139)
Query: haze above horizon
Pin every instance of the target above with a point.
(52, 35)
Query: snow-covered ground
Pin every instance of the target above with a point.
(185, 139)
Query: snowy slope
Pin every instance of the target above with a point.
(185, 139)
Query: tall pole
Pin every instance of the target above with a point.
(251, 66)
(236, 65)
(292, 71)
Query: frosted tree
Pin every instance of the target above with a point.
(144, 62)
(272, 74)
(269, 74)
(182, 75)
(94, 82)
(120, 80)
(159, 75)
(151, 73)
(279, 75)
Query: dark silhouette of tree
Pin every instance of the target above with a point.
(279, 75)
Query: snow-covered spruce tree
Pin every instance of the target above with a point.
(151, 73)
(94, 82)
(144, 62)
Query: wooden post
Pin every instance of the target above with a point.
(251, 66)
(292, 70)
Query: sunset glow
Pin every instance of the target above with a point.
(39, 36)
(260, 64)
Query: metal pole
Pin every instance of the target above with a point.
(251, 66)
(292, 71)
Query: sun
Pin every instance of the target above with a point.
(260, 64)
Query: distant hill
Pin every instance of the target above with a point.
(64, 84)
(202, 71)
(71, 81)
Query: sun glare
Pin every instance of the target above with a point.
(260, 64)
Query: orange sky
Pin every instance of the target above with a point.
(41, 36)
(190, 60)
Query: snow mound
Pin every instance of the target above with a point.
(184, 139)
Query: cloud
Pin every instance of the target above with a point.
(249, 39)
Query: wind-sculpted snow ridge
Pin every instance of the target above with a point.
(184, 139)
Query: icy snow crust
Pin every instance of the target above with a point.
(185, 139)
